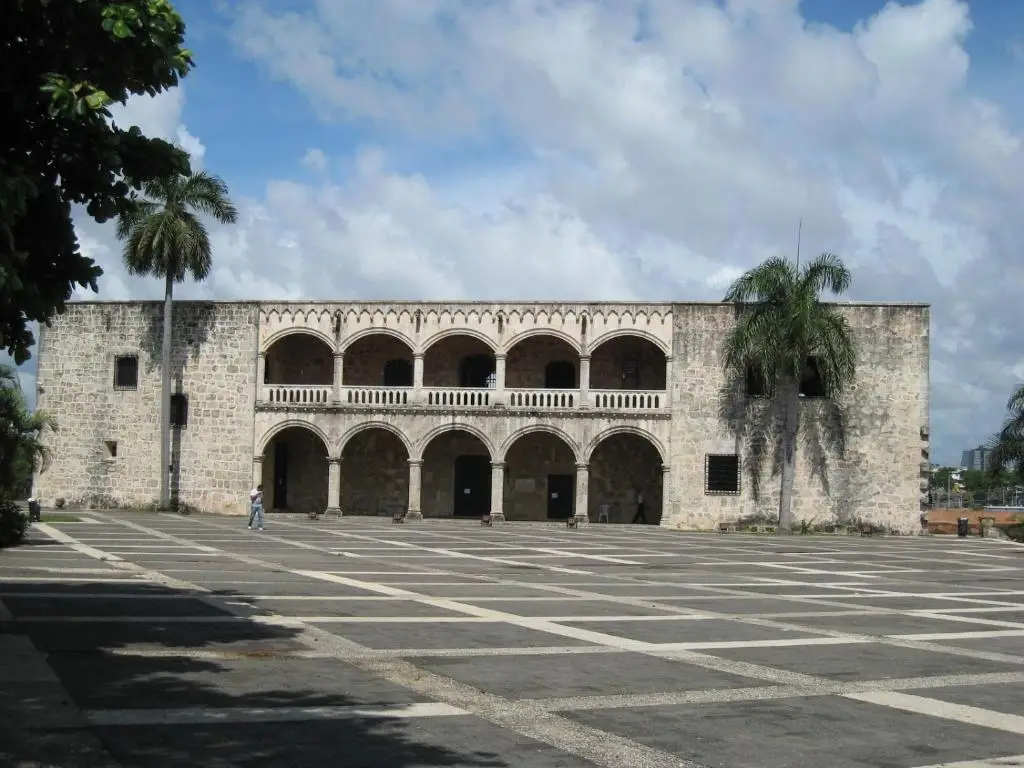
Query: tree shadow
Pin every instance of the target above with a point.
(193, 322)
(120, 672)
(757, 423)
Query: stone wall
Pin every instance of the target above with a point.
(366, 357)
(527, 361)
(859, 459)
(528, 464)
(438, 472)
(620, 466)
(300, 359)
(305, 475)
(374, 474)
(214, 365)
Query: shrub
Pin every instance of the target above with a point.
(12, 524)
(60, 502)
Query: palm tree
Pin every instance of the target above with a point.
(1008, 444)
(22, 447)
(783, 334)
(164, 237)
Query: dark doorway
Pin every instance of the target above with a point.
(398, 373)
(280, 474)
(472, 486)
(560, 374)
(561, 489)
(476, 371)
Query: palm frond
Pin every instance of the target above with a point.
(208, 194)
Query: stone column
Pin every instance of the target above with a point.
(261, 374)
(497, 491)
(582, 493)
(333, 487)
(667, 513)
(584, 381)
(417, 385)
(257, 470)
(499, 380)
(670, 377)
(415, 490)
(339, 374)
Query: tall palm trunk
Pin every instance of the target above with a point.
(165, 396)
(790, 429)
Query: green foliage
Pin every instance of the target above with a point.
(781, 323)
(64, 63)
(21, 437)
(12, 524)
(1007, 445)
(162, 232)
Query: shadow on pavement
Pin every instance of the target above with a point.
(117, 671)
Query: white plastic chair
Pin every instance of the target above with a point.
(603, 514)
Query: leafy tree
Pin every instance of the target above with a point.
(63, 64)
(1008, 444)
(22, 448)
(784, 334)
(164, 237)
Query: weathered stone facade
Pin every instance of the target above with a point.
(527, 411)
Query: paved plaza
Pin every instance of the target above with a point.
(183, 641)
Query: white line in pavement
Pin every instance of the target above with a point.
(205, 716)
(602, 558)
(961, 713)
(1010, 761)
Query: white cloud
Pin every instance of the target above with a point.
(654, 160)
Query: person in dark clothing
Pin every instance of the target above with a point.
(640, 516)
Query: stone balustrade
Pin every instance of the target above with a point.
(628, 400)
(543, 399)
(296, 394)
(376, 395)
(459, 397)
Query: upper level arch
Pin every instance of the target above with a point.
(363, 333)
(624, 429)
(619, 333)
(374, 358)
(299, 356)
(534, 332)
(450, 332)
(277, 336)
(532, 429)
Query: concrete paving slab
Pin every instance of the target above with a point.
(561, 607)
(535, 677)
(476, 589)
(687, 630)
(80, 637)
(892, 624)
(770, 605)
(1009, 645)
(462, 635)
(370, 608)
(105, 681)
(23, 607)
(1008, 697)
(863, 661)
(785, 733)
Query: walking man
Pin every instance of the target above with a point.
(256, 504)
(639, 507)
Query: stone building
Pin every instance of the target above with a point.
(528, 411)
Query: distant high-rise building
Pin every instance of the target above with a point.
(975, 458)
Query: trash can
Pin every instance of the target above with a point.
(34, 510)
(961, 527)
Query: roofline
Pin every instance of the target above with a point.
(461, 302)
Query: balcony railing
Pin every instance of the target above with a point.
(628, 400)
(376, 395)
(296, 394)
(633, 401)
(459, 397)
(556, 399)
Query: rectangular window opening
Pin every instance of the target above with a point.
(179, 410)
(755, 383)
(126, 372)
(111, 446)
(722, 474)
(811, 383)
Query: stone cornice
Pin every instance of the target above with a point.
(442, 410)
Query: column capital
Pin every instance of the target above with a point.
(668, 358)
(262, 353)
(497, 465)
(665, 469)
(334, 459)
(584, 357)
(415, 462)
(417, 355)
(582, 466)
(257, 459)
(339, 353)
(500, 355)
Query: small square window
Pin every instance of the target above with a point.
(755, 383)
(811, 383)
(722, 474)
(126, 372)
(111, 446)
(179, 410)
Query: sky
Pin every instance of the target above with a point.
(614, 149)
